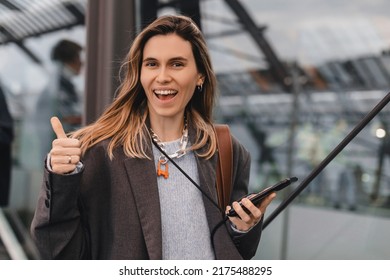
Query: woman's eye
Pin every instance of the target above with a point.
(150, 64)
(177, 64)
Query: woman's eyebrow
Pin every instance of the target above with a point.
(149, 59)
(181, 58)
(178, 58)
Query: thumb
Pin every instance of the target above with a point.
(57, 127)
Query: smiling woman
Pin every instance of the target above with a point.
(103, 196)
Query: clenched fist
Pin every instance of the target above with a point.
(65, 152)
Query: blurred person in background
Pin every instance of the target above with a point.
(68, 56)
(6, 137)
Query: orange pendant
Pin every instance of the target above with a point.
(161, 172)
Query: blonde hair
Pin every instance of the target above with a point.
(124, 121)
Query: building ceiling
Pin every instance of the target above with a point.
(22, 19)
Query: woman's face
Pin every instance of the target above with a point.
(169, 75)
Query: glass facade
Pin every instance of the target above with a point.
(337, 56)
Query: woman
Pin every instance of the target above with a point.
(124, 200)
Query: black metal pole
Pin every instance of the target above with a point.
(355, 131)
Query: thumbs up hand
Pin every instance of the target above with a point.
(65, 152)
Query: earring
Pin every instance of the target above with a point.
(199, 87)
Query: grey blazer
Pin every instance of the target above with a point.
(110, 210)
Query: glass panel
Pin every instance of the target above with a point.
(35, 87)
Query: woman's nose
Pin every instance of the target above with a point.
(163, 75)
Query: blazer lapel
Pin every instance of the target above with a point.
(207, 176)
(142, 178)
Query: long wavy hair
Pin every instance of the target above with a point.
(124, 121)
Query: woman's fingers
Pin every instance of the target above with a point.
(64, 159)
(61, 151)
(247, 219)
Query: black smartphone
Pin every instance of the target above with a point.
(258, 197)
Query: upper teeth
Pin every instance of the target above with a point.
(165, 92)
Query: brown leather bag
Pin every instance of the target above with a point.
(225, 165)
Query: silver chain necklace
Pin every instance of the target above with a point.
(163, 160)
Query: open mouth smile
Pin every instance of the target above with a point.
(165, 94)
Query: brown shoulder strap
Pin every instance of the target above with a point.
(225, 165)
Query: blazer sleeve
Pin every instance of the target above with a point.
(56, 226)
(246, 243)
